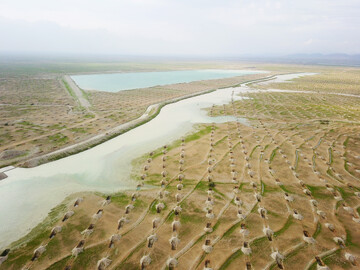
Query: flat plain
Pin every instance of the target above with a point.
(280, 192)
(41, 112)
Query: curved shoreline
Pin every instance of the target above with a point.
(147, 115)
(121, 129)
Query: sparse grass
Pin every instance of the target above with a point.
(318, 192)
(47, 101)
(273, 154)
(69, 89)
(318, 230)
(314, 118)
(230, 259)
(59, 138)
(286, 226)
(23, 248)
(120, 199)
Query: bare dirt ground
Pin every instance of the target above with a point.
(282, 192)
(44, 113)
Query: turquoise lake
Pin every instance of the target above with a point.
(126, 81)
(27, 195)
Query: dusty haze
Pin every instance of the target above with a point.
(159, 27)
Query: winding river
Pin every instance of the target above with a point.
(27, 195)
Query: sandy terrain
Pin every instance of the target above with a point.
(293, 170)
(30, 130)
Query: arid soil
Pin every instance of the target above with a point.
(42, 114)
(281, 192)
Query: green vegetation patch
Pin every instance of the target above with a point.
(119, 198)
(22, 249)
(332, 259)
(78, 130)
(318, 192)
(286, 189)
(187, 218)
(59, 264)
(89, 258)
(349, 240)
(231, 259)
(286, 226)
(253, 150)
(220, 141)
(192, 137)
(69, 89)
(273, 154)
(268, 189)
(202, 185)
(344, 194)
(230, 231)
(318, 230)
(58, 138)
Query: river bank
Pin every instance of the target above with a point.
(104, 168)
(149, 114)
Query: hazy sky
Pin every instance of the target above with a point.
(182, 27)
